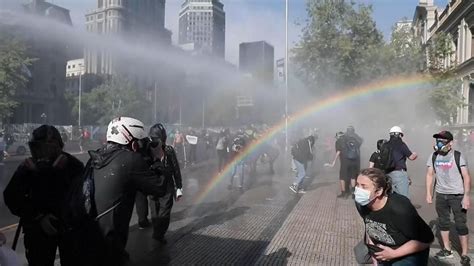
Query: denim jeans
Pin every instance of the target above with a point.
(417, 259)
(239, 170)
(300, 173)
(400, 182)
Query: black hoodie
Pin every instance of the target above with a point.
(118, 174)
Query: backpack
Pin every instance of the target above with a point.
(81, 197)
(457, 159)
(351, 148)
(384, 160)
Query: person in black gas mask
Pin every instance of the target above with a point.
(165, 156)
(37, 193)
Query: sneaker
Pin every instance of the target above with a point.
(294, 188)
(342, 195)
(301, 191)
(465, 260)
(444, 254)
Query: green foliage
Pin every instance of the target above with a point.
(405, 53)
(338, 46)
(116, 97)
(13, 71)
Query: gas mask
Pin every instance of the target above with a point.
(441, 146)
(44, 153)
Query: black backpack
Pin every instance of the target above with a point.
(384, 160)
(81, 203)
(351, 148)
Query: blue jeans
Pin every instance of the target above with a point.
(300, 173)
(417, 259)
(238, 169)
(400, 182)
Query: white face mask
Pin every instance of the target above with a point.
(362, 196)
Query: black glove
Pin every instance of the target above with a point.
(47, 223)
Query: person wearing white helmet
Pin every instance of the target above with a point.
(397, 169)
(119, 171)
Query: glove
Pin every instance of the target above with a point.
(179, 193)
(47, 224)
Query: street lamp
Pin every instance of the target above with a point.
(80, 95)
(286, 75)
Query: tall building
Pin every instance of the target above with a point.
(139, 21)
(202, 22)
(256, 58)
(457, 21)
(42, 100)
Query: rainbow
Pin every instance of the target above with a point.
(387, 85)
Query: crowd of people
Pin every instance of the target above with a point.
(94, 202)
(395, 234)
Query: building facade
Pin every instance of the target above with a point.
(138, 21)
(457, 20)
(202, 22)
(42, 101)
(256, 59)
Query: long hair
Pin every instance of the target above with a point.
(379, 178)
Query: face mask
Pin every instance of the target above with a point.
(362, 196)
(441, 146)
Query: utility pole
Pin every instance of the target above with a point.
(286, 75)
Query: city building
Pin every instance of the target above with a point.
(202, 22)
(457, 20)
(135, 21)
(75, 67)
(257, 59)
(42, 101)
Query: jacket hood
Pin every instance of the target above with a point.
(103, 156)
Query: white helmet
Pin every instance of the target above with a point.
(396, 130)
(123, 130)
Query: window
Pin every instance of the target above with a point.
(69, 67)
(73, 66)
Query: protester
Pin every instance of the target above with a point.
(399, 153)
(221, 149)
(395, 233)
(302, 153)
(178, 145)
(375, 157)
(161, 208)
(348, 152)
(37, 193)
(239, 163)
(119, 171)
(452, 187)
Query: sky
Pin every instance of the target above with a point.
(255, 20)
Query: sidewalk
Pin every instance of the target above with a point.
(265, 225)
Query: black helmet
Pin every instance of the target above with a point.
(158, 131)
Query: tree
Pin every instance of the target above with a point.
(13, 71)
(445, 97)
(116, 97)
(339, 45)
(405, 52)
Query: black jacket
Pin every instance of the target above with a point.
(302, 151)
(172, 172)
(118, 174)
(36, 190)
